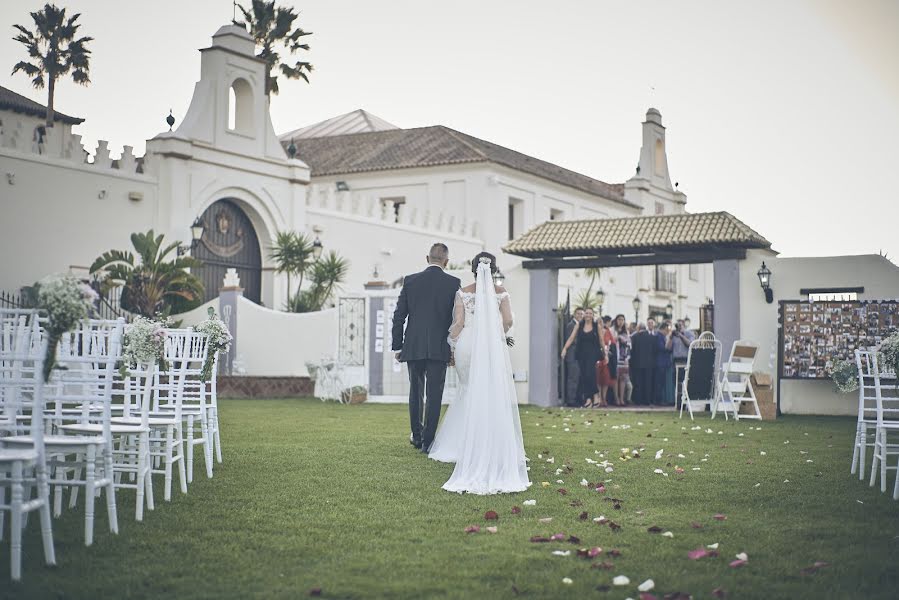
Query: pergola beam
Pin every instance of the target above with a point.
(636, 260)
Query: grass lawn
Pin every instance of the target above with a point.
(315, 495)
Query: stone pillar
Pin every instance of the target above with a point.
(543, 345)
(726, 319)
(229, 297)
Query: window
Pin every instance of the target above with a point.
(556, 214)
(393, 204)
(516, 217)
(240, 107)
(694, 272)
(660, 208)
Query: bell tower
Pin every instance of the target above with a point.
(651, 184)
(229, 108)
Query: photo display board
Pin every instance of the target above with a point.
(814, 334)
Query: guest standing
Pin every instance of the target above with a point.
(607, 371)
(624, 349)
(681, 338)
(642, 364)
(572, 371)
(663, 378)
(587, 351)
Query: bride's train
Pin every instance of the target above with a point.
(481, 431)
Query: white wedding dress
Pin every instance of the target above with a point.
(481, 431)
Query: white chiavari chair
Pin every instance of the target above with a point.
(886, 397)
(22, 350)
(867, 411)
(79, 451)
(195, 414)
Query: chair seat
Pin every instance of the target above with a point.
(152, 420)
(114, 428)
(9, 456)
(55, 440)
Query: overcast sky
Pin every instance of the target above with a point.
(785, 114)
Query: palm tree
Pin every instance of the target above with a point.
(326, 276)
(53, 51)
(292, 254)
(271, 27)
(155, 286)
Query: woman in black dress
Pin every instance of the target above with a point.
(588, 351)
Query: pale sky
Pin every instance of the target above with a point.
(785, 114)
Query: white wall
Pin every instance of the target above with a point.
(273, 343)
(758, 320)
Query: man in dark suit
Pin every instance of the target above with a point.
(426, 300)
(642, 363)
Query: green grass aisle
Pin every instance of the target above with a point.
(315, 495)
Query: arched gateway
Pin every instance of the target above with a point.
(229, 241)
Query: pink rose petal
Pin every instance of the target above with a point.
(472, 529)
(698, 553)
(720, 517)
(737, 563)
(595, 551)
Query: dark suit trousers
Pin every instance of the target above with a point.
(642, 378)
(426, 377)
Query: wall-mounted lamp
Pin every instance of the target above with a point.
(636, 302)
(498, 277)
(317, 248)
(196, 234)
(765, 281)
(11, 178)
(669, 311)
(342, 186)
(600, 298)
(101, 194)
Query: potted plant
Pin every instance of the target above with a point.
(355, 395)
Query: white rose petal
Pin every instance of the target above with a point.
(621, 580)
(659, 454)
(562, 552)
(567, 580)
(742, 556)
(646, 585)
(713, 546)
(668, 534)
(529, 502)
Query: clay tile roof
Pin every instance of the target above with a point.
(432, 146)
(9, 100)
(630, 235)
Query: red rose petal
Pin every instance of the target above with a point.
(315, 592)
(491, 515)
(472, 529)
(538, 539)
(696, 525)
(647, 596)
(614, 552)
(563, 491)
(516, 510)
(654, 529)
(574, 540)
(719, 593)
(583, 516)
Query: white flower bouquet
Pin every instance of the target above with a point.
(889, 351)
(66, 301)
(844, 374)
(143, 343)
(219, 341)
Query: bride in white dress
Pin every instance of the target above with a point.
(481, 431)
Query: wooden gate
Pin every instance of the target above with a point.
(229, 242)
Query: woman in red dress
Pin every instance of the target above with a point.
(605, 377)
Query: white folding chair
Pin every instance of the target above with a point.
(213, 408)
(703, 364)
(191, 350)
(79, 393)
(735, 387)
(22, 350)
(867, 411)
(886, 396)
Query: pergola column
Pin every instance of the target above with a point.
(543, 348)
(726, 318)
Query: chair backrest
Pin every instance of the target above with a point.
(867, 390)
(703, 364)
(741, 361)
(886, 390)
(185, 355)
(22, 350)
(82, 390)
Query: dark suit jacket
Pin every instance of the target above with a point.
(643, 350)
(569, 327)
(426, 300)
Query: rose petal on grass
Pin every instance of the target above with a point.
(743, 556)
(557, 537)
(646, 585)
(594, 551)
(600, 519)
(539, 539)
(492, 529)
(567, 580)
(546, 520)
(647, 596)
(529, 502)
(819, 564)
(572, 539)
(654, 529)
(697, 554)
(720, 517)
(614, 526)
(491, 515)
(315, 592)
(583, 516)
(696, 525)
(516, 510)
(604, 565)
(737, 563)
(472, 529)
(719, 593)
(561, 552)
(667, 534)
(621, 580)
(614, 552)
(563, 491)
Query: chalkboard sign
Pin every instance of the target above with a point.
(701, 374)
(814, 334)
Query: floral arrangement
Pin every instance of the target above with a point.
(66, 301)
(844, 374)
(889, 350)
(143, 343)
(219, 341)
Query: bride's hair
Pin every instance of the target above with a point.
(477, 260)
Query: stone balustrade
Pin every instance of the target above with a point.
(367, 206)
